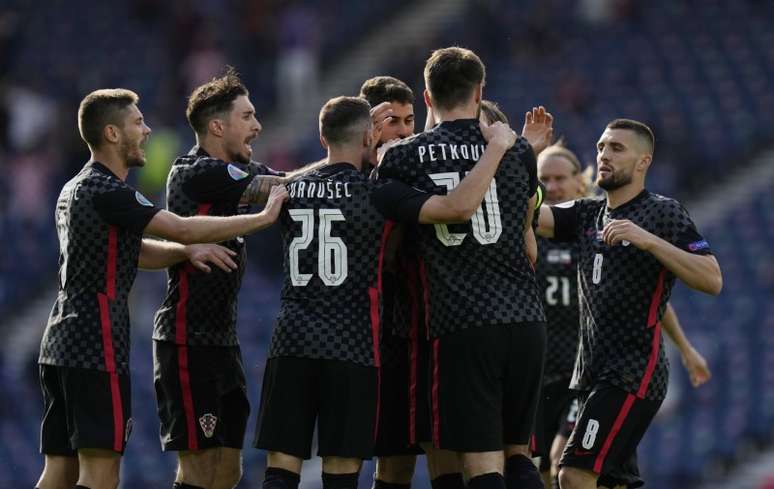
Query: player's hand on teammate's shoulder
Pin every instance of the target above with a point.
(538, 128)
(277, 196)
(220, 256)
(696, 365)
(499, 134)
(625, 232)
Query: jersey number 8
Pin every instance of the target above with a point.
(331, 251)
(486, 229)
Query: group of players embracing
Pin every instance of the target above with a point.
(419, 312)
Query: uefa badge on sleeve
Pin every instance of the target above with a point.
(142, 199)
(208, 421)
(236, 173)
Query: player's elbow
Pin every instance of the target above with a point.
(715, 284)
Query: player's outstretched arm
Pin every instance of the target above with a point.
(694, 363)
(700, 272)
(460, 204)
(156, 255)
(210, 229)
(545, 222)
(259, 189)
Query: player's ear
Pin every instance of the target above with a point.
(111, 133)
(428, 100)
(215, 127)
(479, 90)
(323, 142)
(645, 162)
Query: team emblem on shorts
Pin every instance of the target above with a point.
(128, 430)
(208, 422)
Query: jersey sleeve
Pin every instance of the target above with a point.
(527, 156)
(398, 201)
(126, 208)
(682, 231)
(219, 182)
(566, 220)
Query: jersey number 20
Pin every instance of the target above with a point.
(486, 229)
(331, 251)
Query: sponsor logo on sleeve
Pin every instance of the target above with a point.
(236, 173)
(698, 245)
(142, 199)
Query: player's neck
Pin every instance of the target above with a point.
(622, 195)
(344, 155)
(115, 163)
(469, 111)
(213, 148)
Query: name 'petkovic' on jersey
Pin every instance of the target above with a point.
(447, 151)
(321, 190)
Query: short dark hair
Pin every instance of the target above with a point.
(343, 118)
(386, 89)
(100, 108)
(451, 74)
(492, 112)
(642, 130)
(213, 98)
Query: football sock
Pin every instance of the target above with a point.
(448, 481)
(521, 473)
(339, 481)
(492, 480)
(390, 485)
(276, 478)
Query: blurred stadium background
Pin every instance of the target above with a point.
(700, 72)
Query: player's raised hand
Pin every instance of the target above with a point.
(538, 128)
(625, 232)
(380, 115)
(498, 133)
(277, 196)
(696, 365)
(220, 256)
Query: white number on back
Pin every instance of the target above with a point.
(486, 229)
(331, 252)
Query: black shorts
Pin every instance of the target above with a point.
(565, 429)
(84, 409)
(404, 402)
(340, 396)
(555, 402)
(610, 425)
(201, 396)
(485, 386)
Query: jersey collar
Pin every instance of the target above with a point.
(328, 170)
(640, 196)
(103, 169)
(457, 123)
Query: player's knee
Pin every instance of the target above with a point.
(570, 479)
(228, 477)
(197, 468)
(396, 470)
(59, 473)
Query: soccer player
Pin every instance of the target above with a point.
(632, 244)
(84, 353)
(560, 171)
(404, 398)
(481, 297)
(324, 353)
(199, 377)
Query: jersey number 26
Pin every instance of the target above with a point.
(331, 251)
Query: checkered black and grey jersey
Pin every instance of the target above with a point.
(475, 273)
(201, 308)
(623, 291)
(333, 240)
(557, 277)
(99, 221)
